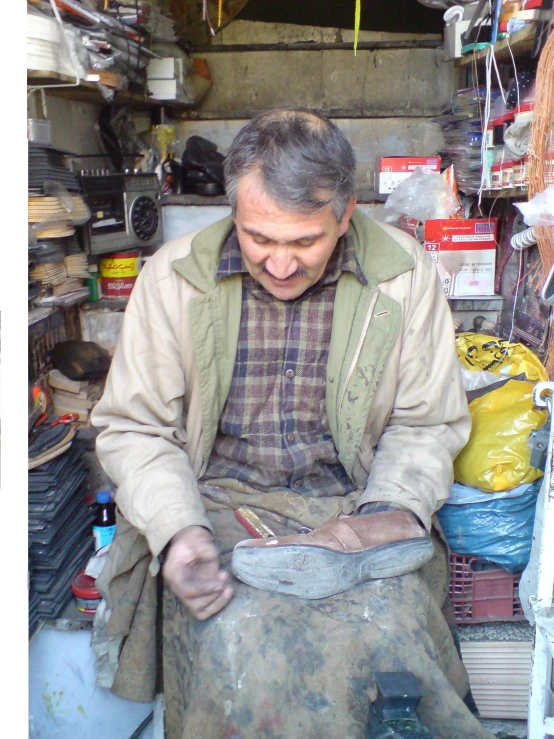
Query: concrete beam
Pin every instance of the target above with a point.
(254, 32)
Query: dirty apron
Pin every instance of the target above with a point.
(271, 665)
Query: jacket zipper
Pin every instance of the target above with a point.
(360, 346)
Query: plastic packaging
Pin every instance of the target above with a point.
(479, 352)
(472, 380)
(67, 210)
(517, 137)
(497, 456)
(539, 211)
(462, 495)
(104, 525)
(424, 196)
(498, 530)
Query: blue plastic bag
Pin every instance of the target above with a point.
(498, 530)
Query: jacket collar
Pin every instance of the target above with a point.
(380, 256)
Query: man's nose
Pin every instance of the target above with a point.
(281, 263)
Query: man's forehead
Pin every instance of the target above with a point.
(312, 235)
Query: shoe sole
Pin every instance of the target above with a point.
(314, 572)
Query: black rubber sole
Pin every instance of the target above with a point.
(314, 572)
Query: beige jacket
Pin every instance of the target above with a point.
(395, 400)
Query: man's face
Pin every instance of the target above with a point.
(285, 251)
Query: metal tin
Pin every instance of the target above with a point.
(87, 597)
(119, 273)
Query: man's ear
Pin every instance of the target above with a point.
(345, 222)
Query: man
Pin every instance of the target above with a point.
(297, 358)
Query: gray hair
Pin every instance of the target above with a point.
(305, 162)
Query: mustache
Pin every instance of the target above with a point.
(297, 273)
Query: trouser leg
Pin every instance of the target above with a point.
(271, 665)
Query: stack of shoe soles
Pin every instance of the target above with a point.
(46, 442)
(60, 532)
(54, 218)
(47, 163)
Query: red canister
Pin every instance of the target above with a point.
(87, 597)
(119, 273)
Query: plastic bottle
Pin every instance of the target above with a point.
(94, 284)
(104, 525)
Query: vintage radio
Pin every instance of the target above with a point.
(125, 212)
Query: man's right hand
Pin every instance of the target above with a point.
(192, 571)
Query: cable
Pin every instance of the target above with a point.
(518, 282)
(515, 68)
(138, 731)
(484, 125)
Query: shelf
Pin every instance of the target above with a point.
(113, 304)
(476, 302)
(513, 192)
(70, 619)
(89, 92)
(191, 199)
(520, 43)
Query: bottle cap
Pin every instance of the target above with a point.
(104, 496)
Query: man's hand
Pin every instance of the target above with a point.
(192, 571)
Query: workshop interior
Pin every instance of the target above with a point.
(132, 106)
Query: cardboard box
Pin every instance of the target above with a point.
(166, 90)
(393, 170)
(168, 68)
(453, 39)
(464, 251)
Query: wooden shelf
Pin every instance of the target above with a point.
(520, 44)
(89, 92)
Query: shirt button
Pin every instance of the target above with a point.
(290, 373)
(291, 437)
(298, 483)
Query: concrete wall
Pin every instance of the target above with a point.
(391, 82)
(370, 137)
(73, 124)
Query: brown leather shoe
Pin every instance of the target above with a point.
(343, 553)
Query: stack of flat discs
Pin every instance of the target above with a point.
(46, 163)
(49, 273)
(56, 230)
(76, 265)
(49, 207)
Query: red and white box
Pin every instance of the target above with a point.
(393, 170)
(464, 251)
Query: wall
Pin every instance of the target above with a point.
(384, 99)
(73, 127)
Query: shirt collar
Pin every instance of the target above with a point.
(343, 259)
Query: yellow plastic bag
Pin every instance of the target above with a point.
(498, 454)
(480, 352)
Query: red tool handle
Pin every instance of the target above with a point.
(65, 419)
(252, 523)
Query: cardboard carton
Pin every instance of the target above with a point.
(393, 170)
(464, 251)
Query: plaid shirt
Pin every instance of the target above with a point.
(274, 432)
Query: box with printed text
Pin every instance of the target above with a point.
(464, 251)
(393, 170)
